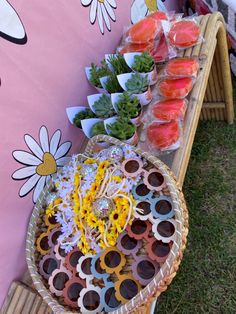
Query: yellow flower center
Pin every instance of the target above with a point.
(152, 5)
(48, 166)
(101, 1)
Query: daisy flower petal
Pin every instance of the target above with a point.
(110, 11)
(112, 3)
(39, 187)
(93, 11)
(105, 17)
(63, 161)
(26, 158)
(55, 140)
(33, 146)
(43, 136)
(62, 150)
(100, 19)
(29, 185)
(86, 2)
(24, 173)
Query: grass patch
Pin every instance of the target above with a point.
(206, 282)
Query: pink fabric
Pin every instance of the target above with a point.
(38, 81)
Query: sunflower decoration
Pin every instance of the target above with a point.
(95, 202)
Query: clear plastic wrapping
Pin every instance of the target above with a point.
(163, 137)
(166, 110)
(171, 88)
(181, 67)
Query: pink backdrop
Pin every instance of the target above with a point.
(38, 81)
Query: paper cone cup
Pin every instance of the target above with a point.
(87, 72)
(145, 98)
(92, 98)
(87, 125)
(72, 111)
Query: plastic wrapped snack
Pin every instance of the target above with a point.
(184, 33)
(161, 51)
(144, 31)
(130, 47)
(182, 67)
(159, 16)
(175, 88)
(162, 137)
(166, 110)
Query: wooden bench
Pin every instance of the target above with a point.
(210, 99)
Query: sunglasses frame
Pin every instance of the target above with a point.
(156, 215)
(140, 216)
(157, 234)
(96, 274)
(49, 224)
(68, 284)
(82, 294)
(43, 260)
(145, 172)
(134, 267)
(38, 241)
(152, 255)
(124, 250)
(83, 275)
(140, 236)
(67, 260)
(142, 197)
(118, 283)
(106, 307)
(52, 288)
(116, 269)
(52, 231)
(57, 253)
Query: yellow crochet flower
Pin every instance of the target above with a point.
(90, 161)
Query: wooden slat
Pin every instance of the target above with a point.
(21, 299)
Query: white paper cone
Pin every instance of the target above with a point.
(87, 125)
(72, 111)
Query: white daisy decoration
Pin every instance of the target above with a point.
(141, 8)
(43, 161)
(103, 10)
(11, 27)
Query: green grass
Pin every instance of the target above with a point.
(206, 280)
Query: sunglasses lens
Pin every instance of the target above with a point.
(91, 300)
(44, 243)
(138, 227)
(74, 291)
(98, 267)
(52, 220)
(60, 280)
(55, 236)
(146, 270)
(145, 206)
(131, 166)
(74, 258)
(111, 299)
(155, 179)
(160, 249)
(49, 266)
(61, 252)
(128, 289)
(163, 207)
(112, 259)
(128, 243)
(142, 190)
(86, 266)
(166, 229)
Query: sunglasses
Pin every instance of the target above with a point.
(113, 261)
(164, 230)
(93, 299)
(144, 269)
(71, 291)
(48, 264)
(53, 236)
(139, 229)
(58, 280)
(59, 253)
(153, 179)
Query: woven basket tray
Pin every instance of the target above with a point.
(168, 270)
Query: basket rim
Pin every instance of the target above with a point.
(167, 270)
